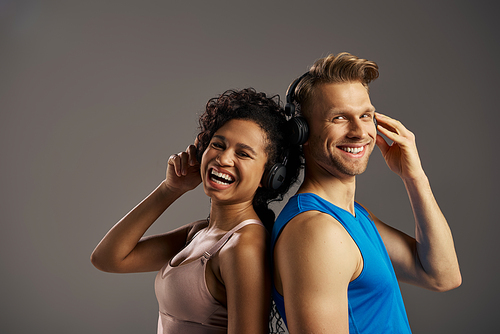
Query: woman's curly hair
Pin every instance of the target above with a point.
(267, 112)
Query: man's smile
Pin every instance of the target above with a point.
(353, 150)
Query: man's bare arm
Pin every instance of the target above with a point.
(316, 259)
(429, 259)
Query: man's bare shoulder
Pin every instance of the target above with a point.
(313, 229)
(316, 256)
(312, 222)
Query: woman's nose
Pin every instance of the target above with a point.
(224, 158)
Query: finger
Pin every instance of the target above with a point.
(397, 132)
(175, 161)
(388, 133)
(391, 124)
(184, 162)
(386, 122)
(191, 151)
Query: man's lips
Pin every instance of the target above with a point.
(352, 149)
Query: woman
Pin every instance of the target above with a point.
(213, 273)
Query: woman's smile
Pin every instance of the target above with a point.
(220, 179)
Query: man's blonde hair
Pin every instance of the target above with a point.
(343, 67)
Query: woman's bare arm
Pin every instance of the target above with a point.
(124, 250)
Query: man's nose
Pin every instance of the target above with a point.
(357, 129)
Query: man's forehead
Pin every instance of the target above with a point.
(341, 97)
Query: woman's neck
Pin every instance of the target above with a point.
(227, 216)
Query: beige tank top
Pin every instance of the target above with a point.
(185, 303)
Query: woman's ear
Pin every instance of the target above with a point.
(263, 178)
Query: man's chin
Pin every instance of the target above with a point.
(352, 170)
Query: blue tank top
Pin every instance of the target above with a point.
(374, 299)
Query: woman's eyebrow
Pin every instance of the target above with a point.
(239, 145)
(246, 147)
(219, 137)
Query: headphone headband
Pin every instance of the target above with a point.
(297, 126)
(298, 132)
(290, 95)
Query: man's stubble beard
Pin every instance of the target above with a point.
(339, 165)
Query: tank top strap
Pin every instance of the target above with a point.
(222, 241)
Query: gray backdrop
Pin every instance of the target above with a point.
(95, 95)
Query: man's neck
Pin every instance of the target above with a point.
(339, 191)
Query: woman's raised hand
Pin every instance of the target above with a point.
(183, 170)
(122, 250)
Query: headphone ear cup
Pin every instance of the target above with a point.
(275, 177)
(298, 130)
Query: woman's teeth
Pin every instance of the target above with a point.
(353, 150)
(220, 178)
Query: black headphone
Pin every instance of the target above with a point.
(297, 125)
(298, 131)
(275, 176)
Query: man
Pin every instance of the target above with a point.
(335, 262)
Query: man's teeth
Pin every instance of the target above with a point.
(222, 176)
(353, 150)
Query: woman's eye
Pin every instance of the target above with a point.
(243, 154)
(217, 145)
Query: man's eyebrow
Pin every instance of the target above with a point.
(337, 111)
(332, 110)
(239, 145)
